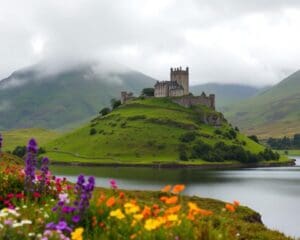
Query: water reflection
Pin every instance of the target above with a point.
(274, 192)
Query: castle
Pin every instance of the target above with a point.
(176, 87)
(178, 90)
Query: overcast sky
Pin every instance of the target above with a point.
(234, 41)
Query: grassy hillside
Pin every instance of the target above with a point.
(274, 112)
(20, 137)
(226, 94)
(143, 131)
(34, 98)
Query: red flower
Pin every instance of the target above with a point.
(37, 195)
(10, 195)
(19, 195)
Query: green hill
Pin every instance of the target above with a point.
(20, 137)
(153, 130)
(35, 98)
(226, 94)
(274, 112)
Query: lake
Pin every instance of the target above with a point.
(273, 192)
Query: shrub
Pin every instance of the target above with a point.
(182, 149)
(254, 138)
(93, 131)
(148, 92)
(104, 111)
(188, 137)
(136, 117)
(115, 103)
(218, 132)
(19, 151)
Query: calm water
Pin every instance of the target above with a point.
(274, 192)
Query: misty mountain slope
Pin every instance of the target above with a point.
(274, 112)
(226, 94)
(31, 98)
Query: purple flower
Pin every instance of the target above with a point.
(32, 146)
(113, 184)
(1, 140)
(30, 165)
(76, 219)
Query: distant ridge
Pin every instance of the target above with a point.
(273, 112)
(226, 94)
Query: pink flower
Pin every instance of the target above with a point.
(113, 184)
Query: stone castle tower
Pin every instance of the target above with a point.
(181, 77)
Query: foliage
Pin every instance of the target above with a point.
(104, 111)
(19, 151)
(285, 142)
(188, 137)
(148, 92)
(115, 103)
(93, 131)
(254, 138)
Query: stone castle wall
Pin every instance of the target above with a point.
(188, 101)
(181, 77)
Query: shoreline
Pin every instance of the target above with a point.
(223, 166)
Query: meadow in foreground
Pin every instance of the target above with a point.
(37, 205)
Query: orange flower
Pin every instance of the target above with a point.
(166, 188)
(230, 207)
(172, 200)
(146, 212)
(204, 212)
(178, 188)
(173, 210)
(121, 195)
(163, 198)
(133, 236)
(110, 202)
(236, 203)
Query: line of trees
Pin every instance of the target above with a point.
(285, 142)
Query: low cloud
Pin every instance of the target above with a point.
(249, 42)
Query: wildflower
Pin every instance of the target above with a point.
(117, 213)
(236, 203)
(152, 224)
(178, 188)
(1, 140)
(146, 212)
(76, 219)
(172, 218)
(37, 195)
(77, 234)
(110, 202)
(230, 207)
(131, 208)
(173, 210)
(64, 197)
(172, 200)
(138, 216)
(166, 188)
(113, 184)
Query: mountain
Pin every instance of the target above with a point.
(40, 97)
(153, 130)
(273, 112)
(226, 94)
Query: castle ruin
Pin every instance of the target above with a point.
(178, 90)
(177, 86)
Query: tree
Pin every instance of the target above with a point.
(296, 140)
(104, 111)
(115, 103)
(254, 138)
(148, 92)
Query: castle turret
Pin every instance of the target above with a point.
(181, 77)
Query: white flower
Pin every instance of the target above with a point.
(26, 221)
(1, 226)
(31, 234)
(15, 225)
(24, 206)
(46, 215)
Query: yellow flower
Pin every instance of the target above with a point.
(152, 224)
(138, 216)
(77, 234)
(131, 208)
(172, 218)
(117, 214)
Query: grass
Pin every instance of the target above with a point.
(142, 131)
(291, 152)
(20, 137)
